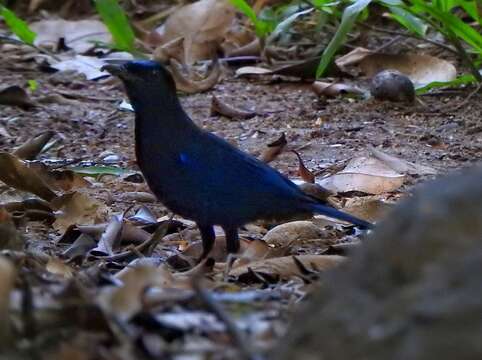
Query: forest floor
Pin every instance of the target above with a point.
(443, 132)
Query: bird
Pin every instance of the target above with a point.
(199, 175)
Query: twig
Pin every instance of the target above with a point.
(388, 44)
(467, 99)
(238, 338)
(39, 49)
(405, 34)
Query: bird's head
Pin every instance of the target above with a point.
(143, 76)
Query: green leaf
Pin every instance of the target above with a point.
(284, 25)
(464, 79)
(261, 27)
(116, 21)
(32, 85)
(18, 26)
(95, 171)
(456, 25)
(348, 19)
(409, 21)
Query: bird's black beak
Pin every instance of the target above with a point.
(115, 70)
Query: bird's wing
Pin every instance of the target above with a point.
(231, 168)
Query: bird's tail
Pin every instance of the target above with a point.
(337, 214)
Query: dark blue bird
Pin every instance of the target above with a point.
(198, 175)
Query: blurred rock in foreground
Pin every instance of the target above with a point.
(413, 291)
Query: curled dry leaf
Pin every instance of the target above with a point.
(285, 267)
(191, 86)
(221, 108)
(110, 239)
(241, 43)
(16, 96)
(202, 25)
(274, 149)
(34, 146)
(173, 49)
(400, 165)
(77, 208)
(365, 174)
(335, 89)
(19, 175)
(78, 35)
(303, 172)
(293, 233)
(420, 68)
(80, 247)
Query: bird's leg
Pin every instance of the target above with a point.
(232, 239)
(208, 237)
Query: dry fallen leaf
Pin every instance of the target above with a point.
(286, 268)
(400, 165)
(365, 174)
(126, 300)
(191, 86)
(78, 35)
(110, 239)
(368, 208)
(88, 65)
(7, 282)
(77, 208)
(19, 175)
(16, 96)
(202, 25)
(274, 149)
(222, 108)
(420, 68)
(58, 267)
(335, 89)
(304, 173)
(252, 70)
(34, 146)
(294, 232)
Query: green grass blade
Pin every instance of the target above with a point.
(116, 21)
(464, 79)
(409, 21)
(461, 29)
(348, 19)
(18, 26)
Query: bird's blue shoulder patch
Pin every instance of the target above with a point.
(183, 158)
